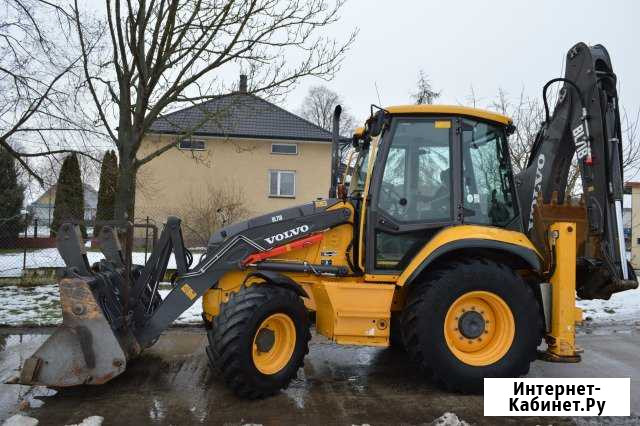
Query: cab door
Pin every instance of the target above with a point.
(415, 190)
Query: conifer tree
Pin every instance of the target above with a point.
(107, 190)
(11, 198)
(69, 204)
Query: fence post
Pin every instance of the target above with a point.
(35, 227)
(24, 255)
(146, 239)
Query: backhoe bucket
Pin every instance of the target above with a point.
(84, 349)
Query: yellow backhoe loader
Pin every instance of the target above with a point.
(436, 246)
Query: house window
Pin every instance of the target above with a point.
(284, 148)
(282, 183)
(192, 144)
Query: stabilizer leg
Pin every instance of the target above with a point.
(561, 340)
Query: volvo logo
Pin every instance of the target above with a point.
(537, 185)
(287, 234)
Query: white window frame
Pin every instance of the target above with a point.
(192, 140)
(280, 173)
(284, 153)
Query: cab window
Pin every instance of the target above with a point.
(416, 183)
(487, 181)
(359, 177)
(415, 188)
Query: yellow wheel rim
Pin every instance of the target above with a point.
(479, 328)
(273, 343)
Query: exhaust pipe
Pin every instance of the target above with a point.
(335, 152)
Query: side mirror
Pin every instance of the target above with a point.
(375, 123)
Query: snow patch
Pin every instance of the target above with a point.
(449, 419)
(90, 421)
(193, 315)
(11, 263)
(20, 420)
(621, 307)
(39, 306)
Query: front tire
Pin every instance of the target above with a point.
(259, 340)
(471, 319)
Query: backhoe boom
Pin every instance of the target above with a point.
(585, 122)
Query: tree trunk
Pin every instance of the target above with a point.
(126, 192)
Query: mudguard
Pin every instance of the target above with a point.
(279, 280)
(470, 237)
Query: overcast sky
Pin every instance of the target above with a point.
(487, 44)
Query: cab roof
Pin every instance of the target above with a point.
(450, 110)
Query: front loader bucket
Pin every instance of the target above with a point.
(86, 348)
(95, 341)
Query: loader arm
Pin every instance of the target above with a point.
(585, 122)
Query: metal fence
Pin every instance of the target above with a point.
(28, 253)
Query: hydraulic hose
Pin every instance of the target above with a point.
(555, 80)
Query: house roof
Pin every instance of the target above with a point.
(240, 114)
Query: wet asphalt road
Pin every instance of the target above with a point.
(172, 384)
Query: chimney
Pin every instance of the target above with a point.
(243, 83)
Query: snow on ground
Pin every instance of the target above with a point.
(90, 421)
(20, 420)
(449, 419)
(622, 307)
(34, 306)
(193, 315)
(30, 305)
(11, 263)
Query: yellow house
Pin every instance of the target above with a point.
(233, 145)
(635, 223)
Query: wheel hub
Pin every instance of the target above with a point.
(274, 343)
(479, 328)
(265, 340)
(471, 324)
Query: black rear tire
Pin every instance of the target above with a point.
(395, 337)
(231, 339)
(429, 301)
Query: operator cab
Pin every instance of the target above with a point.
(425, 167)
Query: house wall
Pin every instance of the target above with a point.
(635, 226)
(42, 208)
(167, 184)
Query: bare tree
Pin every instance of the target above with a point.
(318, 107)
(528, 114)
(160, 55)
(38, 112)
(424, 94)
(216, 207)
(630, 127)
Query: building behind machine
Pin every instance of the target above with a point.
(234, 146)
(631, 220)
(42, 208)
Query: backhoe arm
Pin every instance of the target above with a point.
(585, 122)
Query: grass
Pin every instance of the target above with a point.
(16, 250)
